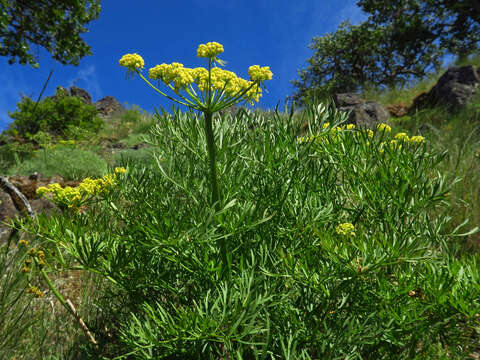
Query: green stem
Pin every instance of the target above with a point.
(213, 182)
(55, 292)
(211, 157)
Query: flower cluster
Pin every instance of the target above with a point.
(132, 61)
(417, 139)
(258, 73)
(396, 143)
(399, 139)
(220, 80)
(384, 127)
(35, 291)
(73, 198)
(209, 50)
(23, 242)
(345, 229)
(34, 256)
(414, 139)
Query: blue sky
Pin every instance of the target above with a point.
(273, 33)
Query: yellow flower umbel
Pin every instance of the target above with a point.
(220, 88)
(417, 139)
(345, 229)
(120, 170)
(211, 50)
(132, 62)
(384, 127)
(259, 74)
(35, 291)
(74, 198)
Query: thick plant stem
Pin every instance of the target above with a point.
(211, 158)
(213, 182)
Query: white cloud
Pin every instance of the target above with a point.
(87, 79)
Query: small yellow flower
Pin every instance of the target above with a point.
(345, 229)
(402, 136)
(25, 269)
(350, 126)
(132, 61)
(326, 125)
(384, 127)
(32, 289)
(41, 263)
(23, 242)
(42, 190)
(417, 139)
(120, 170)
(209, 50)
(259, 74)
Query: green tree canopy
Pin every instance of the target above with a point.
(400, 40)
(55, 25)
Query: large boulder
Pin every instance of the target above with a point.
(105, 107)
(454, 89)
(7, 211)
(363, 113)
(108, 106)
(397, 110)
(82, 94)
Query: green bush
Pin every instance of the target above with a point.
(296, 286)
(132, 115)
(54, 115)
(13, 153)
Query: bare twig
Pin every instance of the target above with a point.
(81, 322)
(13, 191)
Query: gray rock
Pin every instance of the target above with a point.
(108, 106)
(363, 113)
(82, 94)
(454, 89)
(7, 211)
(18, 198)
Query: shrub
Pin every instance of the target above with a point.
(13, 153)
(54, 115)
(331, 246)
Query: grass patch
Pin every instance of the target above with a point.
(69, 162)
